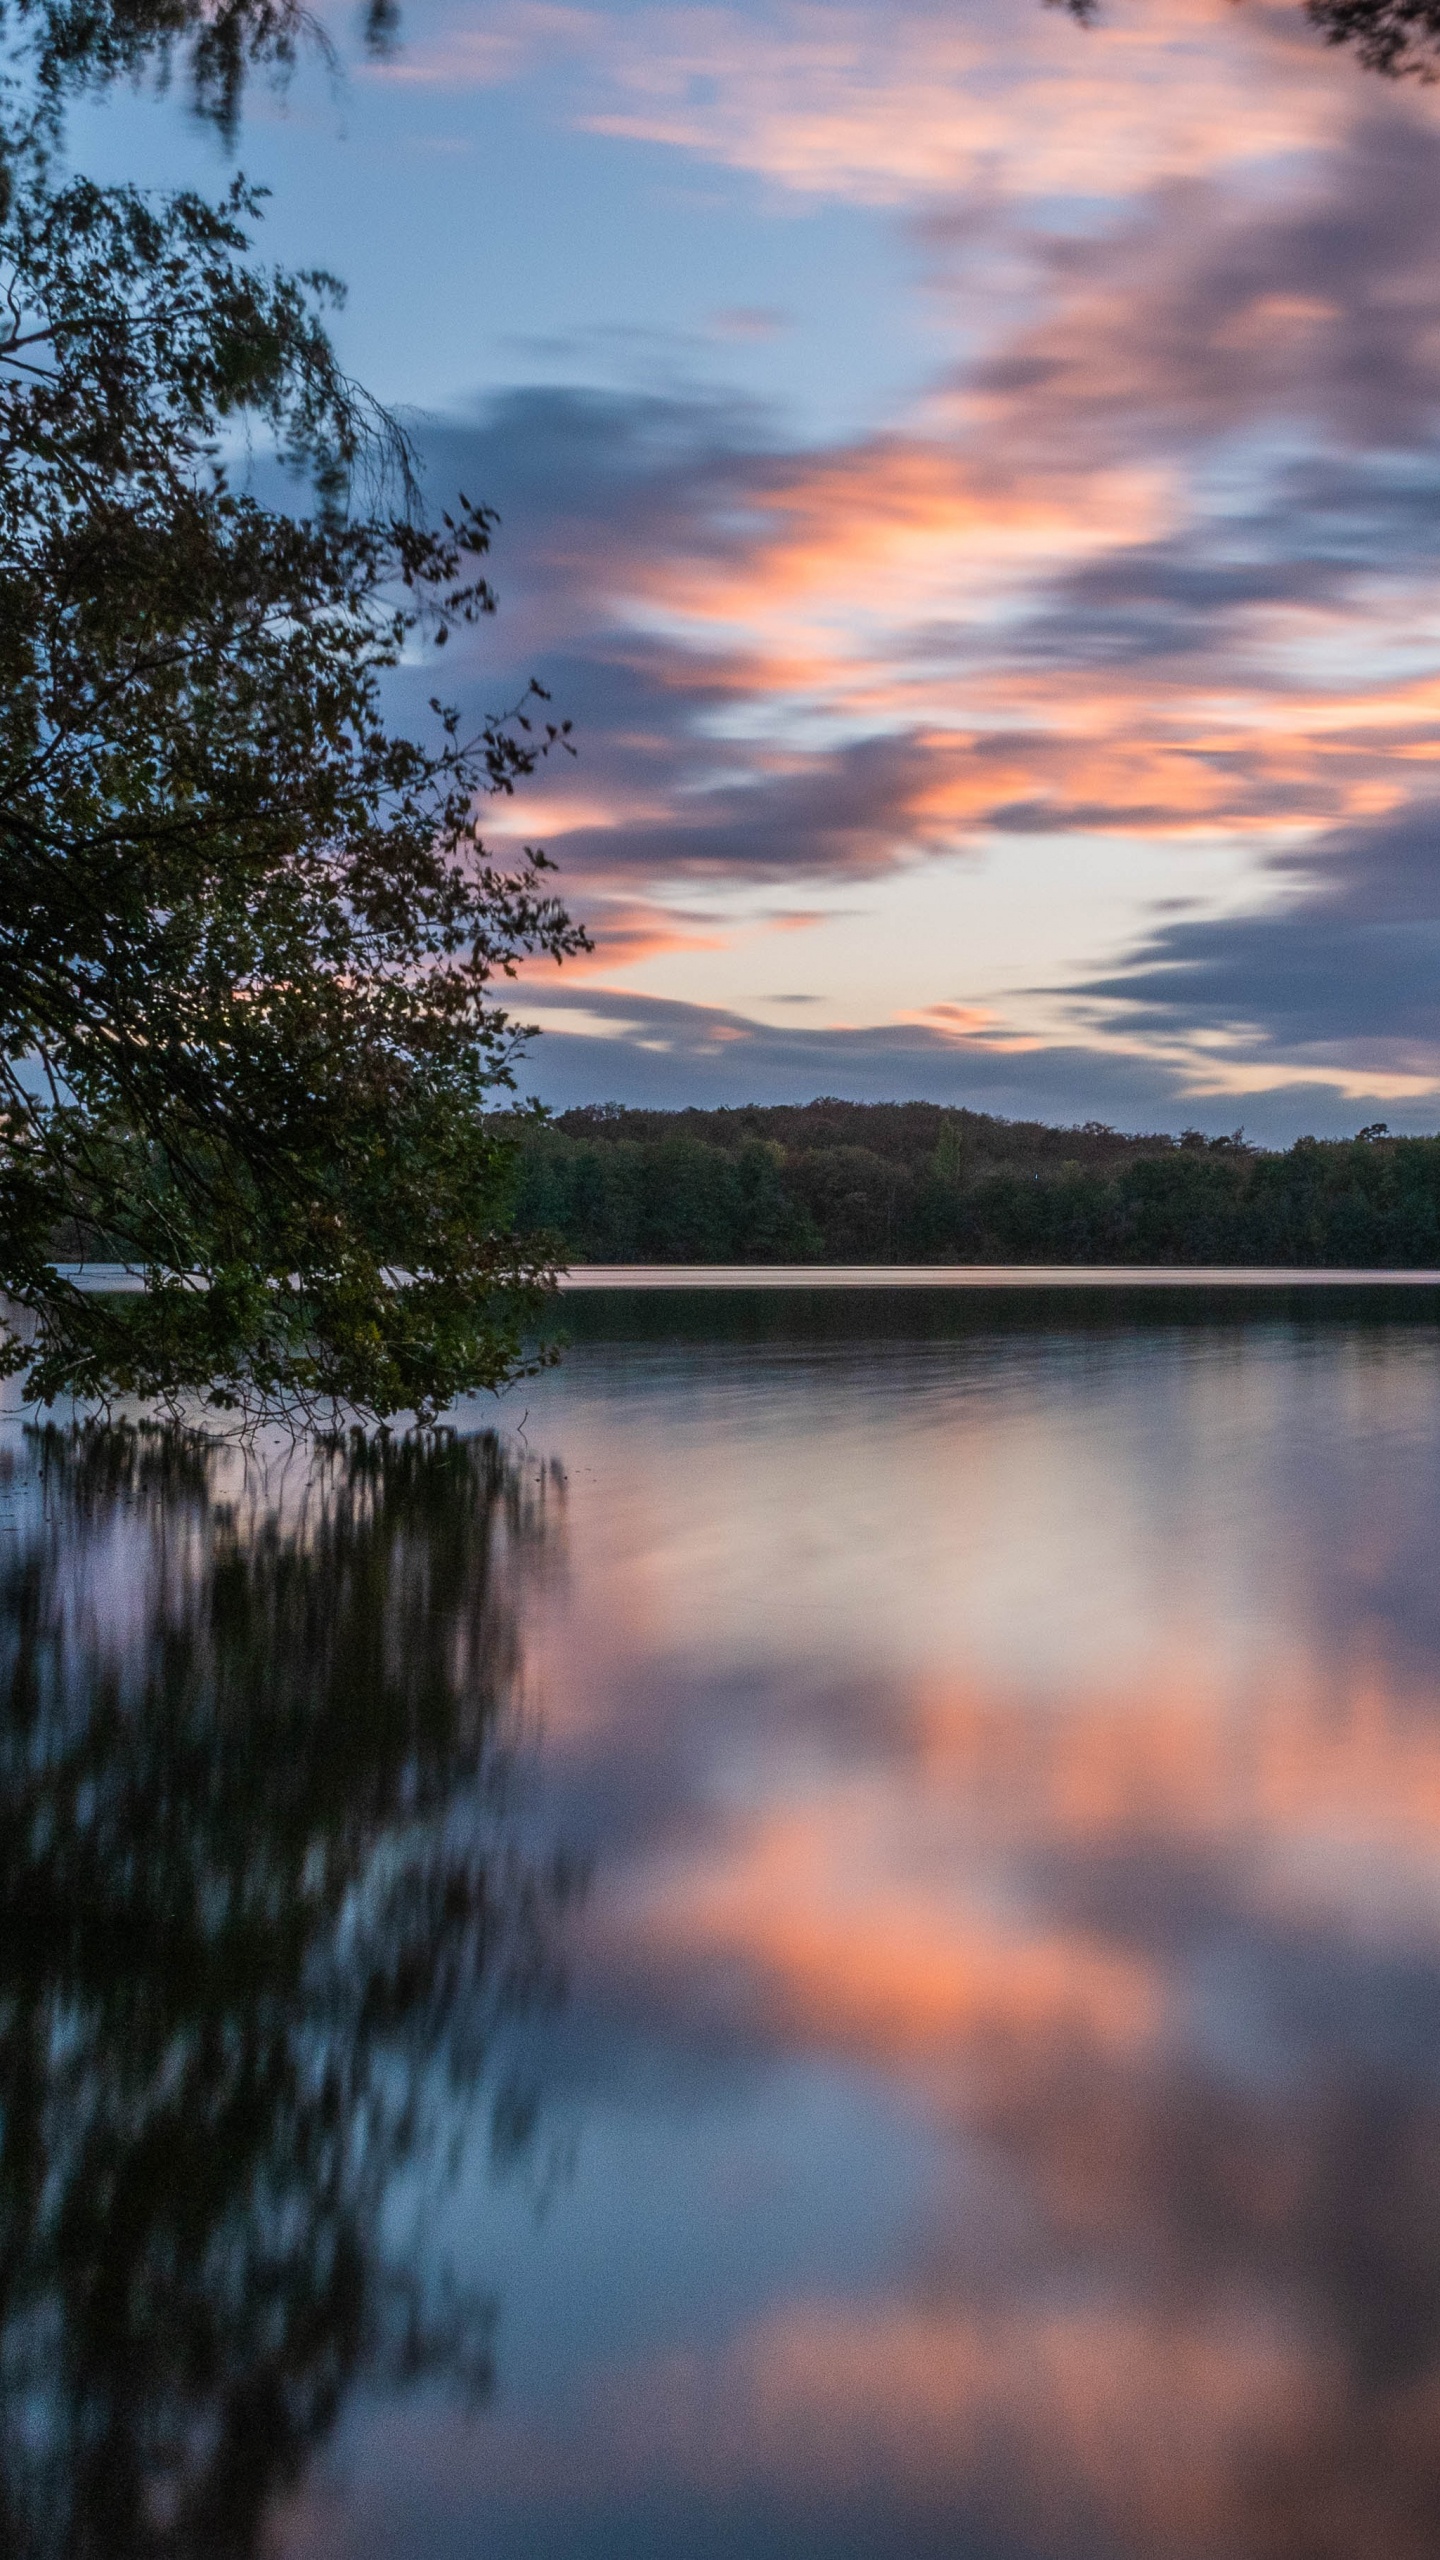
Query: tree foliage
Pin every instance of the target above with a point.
(68, 45)
(248, 933)
(913, 1182)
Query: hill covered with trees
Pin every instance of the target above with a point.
(915, 1182)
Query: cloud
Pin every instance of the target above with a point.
(658, 1053)
(752, 646)
(1152, 567)
(1344, 965)
(1201, 314)
(750, 323)
(898, 106)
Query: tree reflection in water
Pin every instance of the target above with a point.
(257, 1918)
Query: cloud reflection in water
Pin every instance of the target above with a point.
(1006, 2023)
(1002, 2042)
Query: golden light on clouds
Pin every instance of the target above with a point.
(1134, 551)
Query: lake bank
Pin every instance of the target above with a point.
(977, 1275)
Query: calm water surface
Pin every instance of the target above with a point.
(832, 1949)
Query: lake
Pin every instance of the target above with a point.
(826, 1945)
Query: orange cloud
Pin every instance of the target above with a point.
(1102, 584)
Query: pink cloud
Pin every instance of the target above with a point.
(1150, 566)
(891, 107)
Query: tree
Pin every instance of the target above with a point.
(248, 934)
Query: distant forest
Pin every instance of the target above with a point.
(913, 1182)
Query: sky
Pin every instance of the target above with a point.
(973, 482)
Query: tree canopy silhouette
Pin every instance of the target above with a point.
(248, 933)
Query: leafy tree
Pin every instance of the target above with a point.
(248, 934)
(912, 1182)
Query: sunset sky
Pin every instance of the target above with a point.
(972, 481)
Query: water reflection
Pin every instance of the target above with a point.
(1002, 2035)
(258, 1923)
(1006, 2021)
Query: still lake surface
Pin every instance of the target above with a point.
(828, 1947)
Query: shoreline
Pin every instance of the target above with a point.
(980, 1275)
(115, 1279)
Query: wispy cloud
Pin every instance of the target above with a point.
(898, 106)
(1152, 564)
(1342, 968)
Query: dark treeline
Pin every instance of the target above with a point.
(914, 1182)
